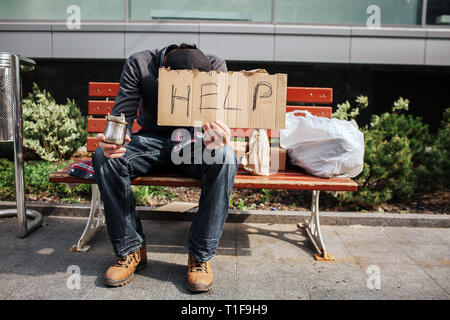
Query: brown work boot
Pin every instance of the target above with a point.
(199, 275)
(122, 271)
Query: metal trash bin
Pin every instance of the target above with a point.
(11, 129)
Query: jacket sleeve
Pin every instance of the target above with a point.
(129, 95)
(217, 63)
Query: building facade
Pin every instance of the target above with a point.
(355, 39)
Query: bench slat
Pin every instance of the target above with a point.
(100, 107)
(92, 142)
(103, 107)
(292, 180)
(96, 125)
(309, 95)
(244, 133)
(315, 111)
(294, 94)
(103, 89)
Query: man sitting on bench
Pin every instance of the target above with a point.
(151, 150)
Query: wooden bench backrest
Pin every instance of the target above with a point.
(313, 100)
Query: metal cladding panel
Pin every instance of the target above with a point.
(92, 45)
(139, 41)
(36, 44)
(437, 52)
(244, 47)
(307, 48)
(233, 41)
(383, 50)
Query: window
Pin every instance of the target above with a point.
(229, 10)
(392, 12)
(322, 12)
(101, 10)
(438, 12)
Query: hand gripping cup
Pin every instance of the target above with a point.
(116, 129)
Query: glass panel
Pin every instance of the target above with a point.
(57, 9)
(392, 12)
(231, 10)
(438, 12)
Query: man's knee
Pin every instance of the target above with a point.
(104, 165)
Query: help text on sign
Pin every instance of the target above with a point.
(245, 99)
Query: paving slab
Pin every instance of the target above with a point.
(440, 274)
(406, 282)
(407, 235)
(371, 245)
(254, 261)
(341, 280)
(269, 270)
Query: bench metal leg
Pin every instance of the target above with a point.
(95, 222)
(312, 227)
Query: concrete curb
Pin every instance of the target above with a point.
(261, 216)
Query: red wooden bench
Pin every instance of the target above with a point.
(103, 94)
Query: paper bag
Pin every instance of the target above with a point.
(257, 159)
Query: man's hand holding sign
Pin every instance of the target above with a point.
(217, 135)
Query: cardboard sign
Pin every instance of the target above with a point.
(245, 99)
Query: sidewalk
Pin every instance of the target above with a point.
(254, 261)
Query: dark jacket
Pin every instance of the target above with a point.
(139, 87)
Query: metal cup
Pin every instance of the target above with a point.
(116, 129)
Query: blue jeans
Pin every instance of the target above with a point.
(151, 153)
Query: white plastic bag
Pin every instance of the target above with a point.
(323, 147)
(257, 159)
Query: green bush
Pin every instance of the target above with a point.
(36, 175)
(52, 131)
(387, 172)
(7, 178)
(396, 159)
(396, 124)
(439, 157)
(143, 194)
(342, 111)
